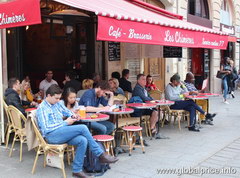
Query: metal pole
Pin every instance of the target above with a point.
(1, 94)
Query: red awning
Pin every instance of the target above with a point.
(16, 13)
(134, 21)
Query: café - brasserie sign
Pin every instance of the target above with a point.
(19, 13)
(110, 29)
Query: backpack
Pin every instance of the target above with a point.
(92, 164)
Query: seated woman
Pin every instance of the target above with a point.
(114, 85)
(150, 84)
(26, 94)
(86, 84)
(69, 99)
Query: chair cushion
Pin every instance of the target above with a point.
(103, 138)
(132, 128)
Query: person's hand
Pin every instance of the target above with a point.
(193, 93)
(70, 120)
(106, 108)
(33, 103)
(109, 93)
(186, 94)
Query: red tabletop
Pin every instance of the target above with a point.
(142, 105)
(101, 117)
(161, 102)
(124, 111)
(208, 94)
(30, 109)
(197, 97)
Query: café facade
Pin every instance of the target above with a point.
(103, 37)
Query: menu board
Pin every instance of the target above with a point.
(114, 51)
(172, 52)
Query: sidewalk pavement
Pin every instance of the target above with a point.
(215, 146)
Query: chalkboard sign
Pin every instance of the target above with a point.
(172, 52)
(114, 51)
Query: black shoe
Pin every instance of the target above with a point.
(166, 122)
(194, 129)
(233, 96)
(210, 116)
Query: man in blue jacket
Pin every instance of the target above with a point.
(140, 91)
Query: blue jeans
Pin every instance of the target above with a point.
(191, 107)
(225, 87)
(78, 135)
(103, 127)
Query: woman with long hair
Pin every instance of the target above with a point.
(69, 99)
(226, 71)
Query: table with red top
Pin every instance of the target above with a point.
(142, 106)
(89, 119)
(209, 94)
(197, 97)
(118, 149)
(29, 110)
(160, 103)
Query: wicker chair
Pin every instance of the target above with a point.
(156, 94)
(17, 120)
(177, 114)
(46, 148)
(9, 127)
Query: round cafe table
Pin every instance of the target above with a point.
(197, 97)
(209, 94)
(89, 119)
(29, 110)
(160, 103)
(118, 149)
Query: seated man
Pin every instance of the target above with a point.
(55, 130)
(92, 98)
(175, 91)
(140, 91)
(124, 83)
(12, 95)
(189, 83)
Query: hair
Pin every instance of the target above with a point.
(225, 60)
(12, 81)
(114, 80)
(70, 74)
(175, 77)
(104, 85)
(149, 76)
(48, 70)
(66, 94)
(22, 92)
(87, 84)
(139, 76)
(125, 72)
(116, 75)
(53, 89)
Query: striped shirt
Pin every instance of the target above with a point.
(190, 86)
(50, 117)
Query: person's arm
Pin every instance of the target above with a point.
(15, 101)
(109, 101)
(171, 95)
(86, 101)
(224, 71)
(43, 117)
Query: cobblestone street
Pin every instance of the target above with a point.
(215, 146)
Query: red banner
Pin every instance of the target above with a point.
(110, 29)
(16, 13)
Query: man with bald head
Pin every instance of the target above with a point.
(189, 83)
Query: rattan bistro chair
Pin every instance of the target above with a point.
(9, 127)
(17, 120)
(46, 148)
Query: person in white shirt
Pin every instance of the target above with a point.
(47, 82)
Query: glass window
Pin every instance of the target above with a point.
(198, 8)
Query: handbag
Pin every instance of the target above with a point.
(220, 75)
(53, 160)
